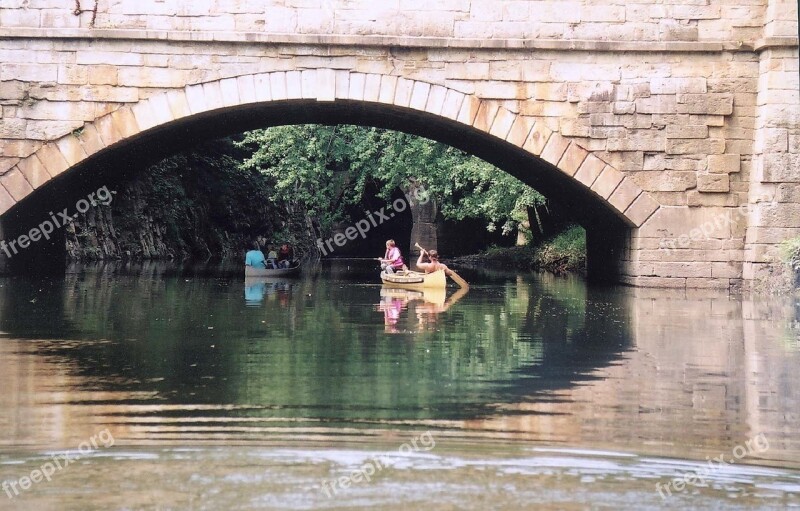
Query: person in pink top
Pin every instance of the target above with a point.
(392, 260)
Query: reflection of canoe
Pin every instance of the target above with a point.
(434, 295)
(249, 271)
(415, 280)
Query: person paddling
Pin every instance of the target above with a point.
(434, 264)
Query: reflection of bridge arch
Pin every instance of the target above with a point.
(601, 197)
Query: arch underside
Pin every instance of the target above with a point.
(605, 201)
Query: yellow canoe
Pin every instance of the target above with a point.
(415, 280)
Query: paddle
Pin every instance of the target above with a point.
(453, 275)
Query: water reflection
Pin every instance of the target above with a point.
(423, 307)
(275, 290)
(163, 355)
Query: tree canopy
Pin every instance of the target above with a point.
(323, 169)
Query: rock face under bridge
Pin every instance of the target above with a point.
(670, 130)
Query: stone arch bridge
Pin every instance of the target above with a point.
(669, 128)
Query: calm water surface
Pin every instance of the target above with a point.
(527, 392)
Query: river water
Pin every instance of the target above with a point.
(149, 387)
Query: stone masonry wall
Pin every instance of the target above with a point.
(692, 100)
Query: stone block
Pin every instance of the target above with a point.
(278, 87)
(52, 159)
(683, 269)
(607, 182)
(419, 95)
(624, 195)
(358, 82)
(90, 139)
(6, 201)
(16, 184)
(17, 17)
(670, 85)
(658, 282)
(263, 87)
(623, 107)
(326, 85)
(687, 131)
(486, 115)
(726, 270)
(776, 215)
(108, 133)
(7, 164)
(72, 149)
(372, 87)
(294, 85)
(590, 170)
(657, 104)
(145, 116)
(155, 77)
(402, 94)
(388, 89)
(519, 130)
(436, 99)
(579, 163)
(111, 58)
(705, 104)
(73, 75)
(229, 88)
(695, 146)
(468, 70)
(469, 110)
(641, 209)
(453, 101)
(788, 192)
(29, 72)
(19, 148)
(554, 149)
(772, 140)
(178, 104)
(713, 183)
(639, 140)
(538, 137)
(770, 235)
(501, 126)
(159, 105)
(724, 163)
(14, 128)
(124, 123)
(196, 98)
(695, 198)
(34, 171)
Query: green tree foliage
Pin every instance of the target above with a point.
(322, 169)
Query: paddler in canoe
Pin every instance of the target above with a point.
(434, 265)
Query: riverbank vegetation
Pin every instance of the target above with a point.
(559, 254)
(791, 254)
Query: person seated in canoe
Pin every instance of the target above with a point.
(434, 264)
(272, 258)
(392, 260)
(285, 256)
(255, 257)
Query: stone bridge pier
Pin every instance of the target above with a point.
(670, 129)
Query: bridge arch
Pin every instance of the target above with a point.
(599, 195)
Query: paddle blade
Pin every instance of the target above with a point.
(458, 280)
